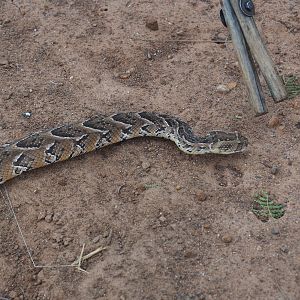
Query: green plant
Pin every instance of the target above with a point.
(292, 86)
(264, 207)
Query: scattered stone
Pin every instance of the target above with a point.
(145, 165)
(26, 114)
(259, 248)
(66, 241)
(232, 85)
(42, 215)
(12, 295)
(56, 218)
(152, 24)
(274, 170)
(127, 74)
(201, 196)
(4, 62)
(223, 89)
(26, 94)
(96, 239)
(8, 96)
(178, 187)
(162, 219)
(297, 125)
(227, 238)
(207, 226)
(48, 218)
(70, 257)
(284, 249)
(180, 32)
(274, 122)
(57, 237)
(275, 231)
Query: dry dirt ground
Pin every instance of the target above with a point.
(175, 226)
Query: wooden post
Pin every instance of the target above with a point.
(260, 53)
(245, 59)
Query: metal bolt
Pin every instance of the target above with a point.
(249, 5)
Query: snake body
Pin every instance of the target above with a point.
(64, 142)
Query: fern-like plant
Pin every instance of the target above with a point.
(265, 208)
(292, 86)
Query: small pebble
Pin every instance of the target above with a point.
(284, 249)
(275, 231)
(48, 218)
(152, 24)
(41, 215)
(274, 122)
(223, 89)
(26, 114)
(226, 238)
(207, 226)
(162, 219)
(145, 165)
(4, 62)
(178, 187)
(274, 170)
(12, 295)
(96, 239)
(201, 196)
(8, 96)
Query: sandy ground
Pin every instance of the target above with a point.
(175, 226)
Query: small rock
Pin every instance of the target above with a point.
(201, 196)
(27, 114)
(152, 24)
(57, 237)
(231, 85)
(127, 74)
(70, 257)
(56, 217)
(96, 239)
(274, 122)
(4, 62)
(66, 241)
(180, 33)
(162, 219)
(145, 165)
(227, 238)
(12, 295)
(26, 94)
(275, 231)
(297, 125)
(178, 187)
(48, 218)
(284, 249)
(274, 170)
(41, 215)
(8, 96)
(223, 89)
(207, 226)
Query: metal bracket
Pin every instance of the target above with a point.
(247, 7)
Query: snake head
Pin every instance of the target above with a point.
(221, 142)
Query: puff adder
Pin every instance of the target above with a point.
(61, 143)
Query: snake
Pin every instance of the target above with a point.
(61, 143)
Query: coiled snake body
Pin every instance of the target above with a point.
(49, 146)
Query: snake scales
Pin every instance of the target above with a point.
(49, 146)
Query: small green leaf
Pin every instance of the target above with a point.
(265, 208)
(292, 86)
